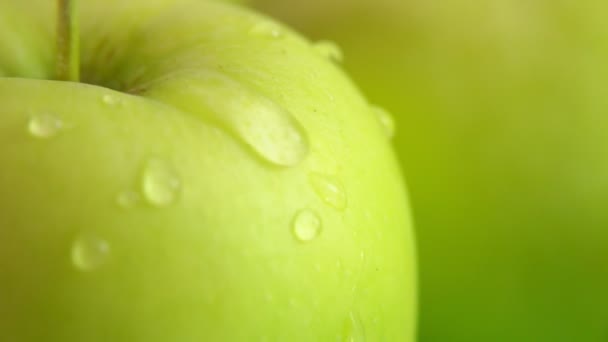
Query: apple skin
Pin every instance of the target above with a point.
(500, 109)
(152, 212)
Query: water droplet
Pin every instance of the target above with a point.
(329, 189)
(353, 328)
(386, 120)
(89, 252)
(306, 225)
(44, 126)
(266, 29)
(330, 50)
(161, 185)
(110, 100)
(127, 199)
(271, 131)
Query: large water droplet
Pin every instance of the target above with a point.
(353, 328)
(161, 184)
(329, 50)
(266, 127)
(386, 120)
(266, 29)
(44, 126)
(329, 189)
(271, 131)
(89, 252)
(306, 225)
(128, 199)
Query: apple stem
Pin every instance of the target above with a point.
(68, 42)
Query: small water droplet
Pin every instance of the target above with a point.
(306, 225)
(329, 189)
(89, 252)
(110, 100)
(161, 184)
(267, 29)
(128, 198)
(386, 120)
(353, 328)
(44, 126)
(329, 50)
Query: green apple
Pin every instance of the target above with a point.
(500, 108)
(213, 177)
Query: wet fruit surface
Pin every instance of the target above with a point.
(222, 191)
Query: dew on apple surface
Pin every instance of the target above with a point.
(329, 189)
(110, 100)
(89, 252)
(44, 126)
(306, 225)
(266, 29)
(354, 331)
(329, 50)
(128, 199)
(161, 184)
(386, 120)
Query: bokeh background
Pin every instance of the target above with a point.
(501, 109)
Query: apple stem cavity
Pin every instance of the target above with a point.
(68, 42)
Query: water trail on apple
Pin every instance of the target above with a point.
(329, 189)
(353, 328)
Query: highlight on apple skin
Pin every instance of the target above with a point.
(213, 177)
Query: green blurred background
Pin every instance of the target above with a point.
(502, 130)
